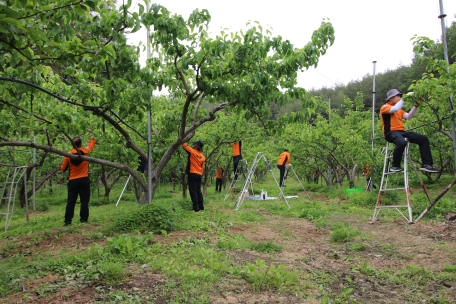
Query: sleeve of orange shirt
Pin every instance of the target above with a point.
(188, 149)
(90, 146)
(65, 163)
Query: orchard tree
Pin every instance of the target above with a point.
(103, 83)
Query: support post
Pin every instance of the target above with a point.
(330, 162)
(373, 118)
(445, 55)
(149, 140)
(34, 173)
(373, 107)
(26, 200)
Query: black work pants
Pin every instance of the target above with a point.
(218, 185)
(397, 138)
(194, 187)
(81, 187)
(236, 160)
(282, 173)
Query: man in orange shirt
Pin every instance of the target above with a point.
(78, 181)
(394, 132)
(237, 156)
(284, 160)
(194, 170)
(218, 180)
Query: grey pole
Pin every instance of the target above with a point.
(373, 107)
(373, 118)
(34, 173)
(330, 162)
(149, 140)
(445, 55)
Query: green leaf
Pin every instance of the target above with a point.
(80, 10)
(141, 9)
(90, 42)
(110, 50)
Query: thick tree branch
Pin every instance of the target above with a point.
(132, 172)
(122, 131)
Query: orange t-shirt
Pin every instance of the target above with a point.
(284, 159)
(237, 148)
(391, 121)
(196, 160)
(220, 173)
(81, 170)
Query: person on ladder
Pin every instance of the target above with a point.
(284, 161)
(218, 180)
(237, 156)
(194, 170)
(394, 132)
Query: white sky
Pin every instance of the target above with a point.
(365, 30)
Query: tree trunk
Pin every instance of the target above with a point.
(184, 186)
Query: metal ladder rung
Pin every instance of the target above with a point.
(389, 173)
(383, 207)
(392, 189)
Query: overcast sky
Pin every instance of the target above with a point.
(365, 30)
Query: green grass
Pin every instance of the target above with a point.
(211, 253)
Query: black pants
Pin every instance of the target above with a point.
(282, 173)
(236, 160)
(218, 185)
(194, 186)
(81, 187)
(397, 138)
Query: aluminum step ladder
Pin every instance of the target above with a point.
(379, 207)
(8, 197)
(248, 180)
(287, 170)
(240, 170)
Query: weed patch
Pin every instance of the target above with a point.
(266, 247)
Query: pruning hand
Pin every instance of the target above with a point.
(91, 136)
(417, 104)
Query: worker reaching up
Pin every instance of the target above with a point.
(237, 156)
(284, 160)
(194, 170)
(394, 132)
(219, 178)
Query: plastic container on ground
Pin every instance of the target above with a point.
(353, 190)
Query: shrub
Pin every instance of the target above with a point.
(42, 206)
(358, 247)
(112, 273)
(420, 202)
(363, 199)
(345, 234)
(314, 210)
(233, 242)
(266, 247)
(450, 268)
(151, 217)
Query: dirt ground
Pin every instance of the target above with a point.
(389, 245)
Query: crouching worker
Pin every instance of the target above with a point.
(78, 181)
(394, 132)
(218, 180)
(284, 160)
(195, 166)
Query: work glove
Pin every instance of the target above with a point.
(417, 104)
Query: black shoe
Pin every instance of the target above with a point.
(429, 168)
(67, 224)
(396, 169)
(85, 222)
